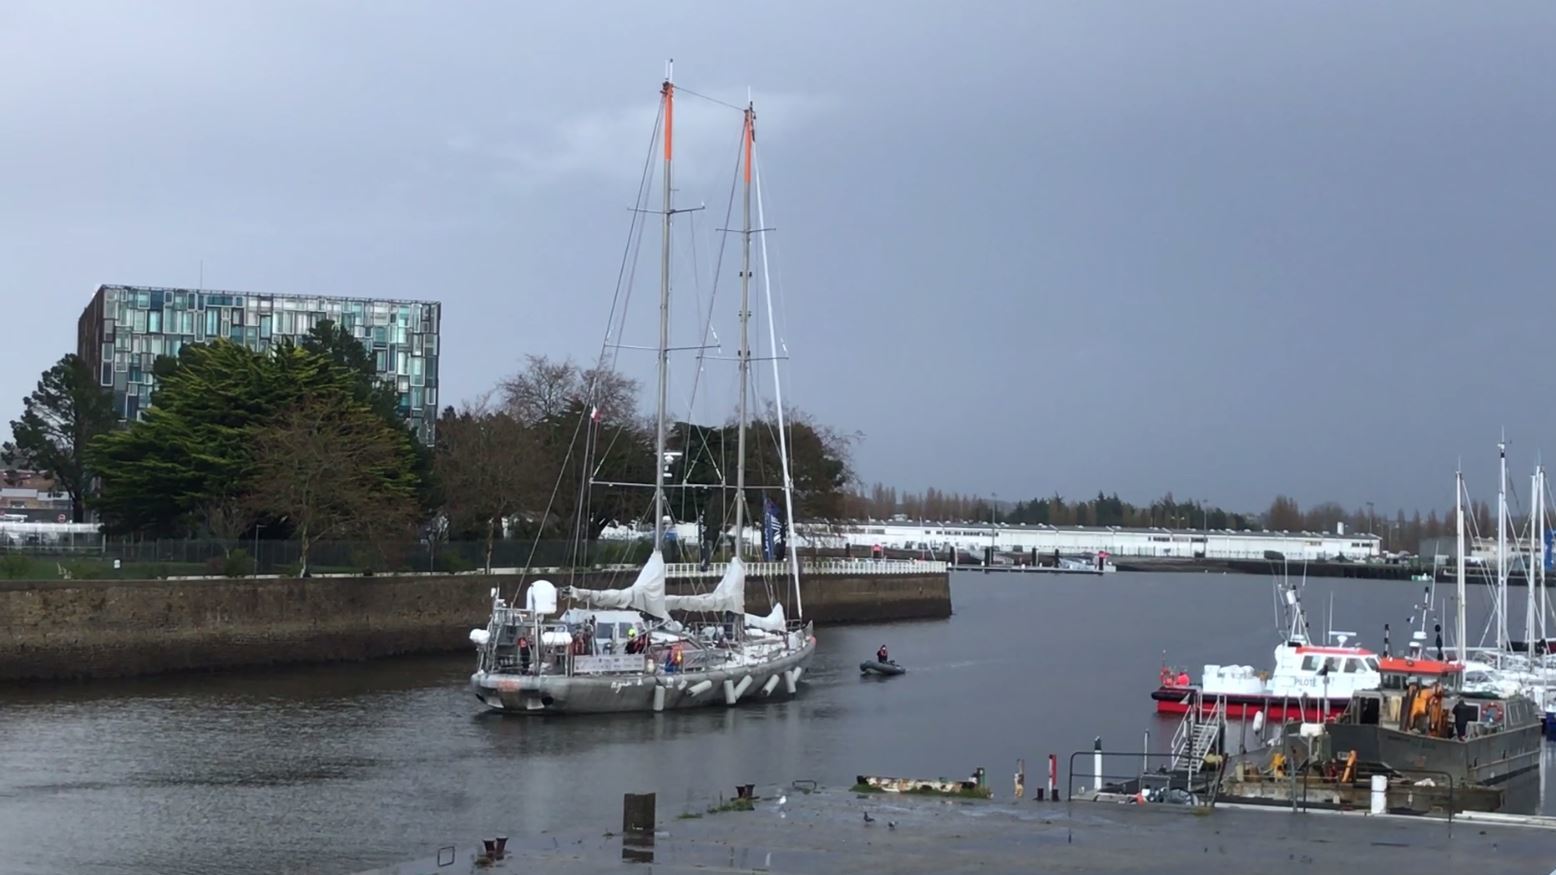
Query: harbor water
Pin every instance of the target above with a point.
(343, 768)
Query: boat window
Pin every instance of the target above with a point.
(1309, 663)
(1372, 663)
(1332, 664)
(1350, 666)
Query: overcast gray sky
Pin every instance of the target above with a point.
(1226, 249)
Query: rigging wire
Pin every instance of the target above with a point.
(619, 299)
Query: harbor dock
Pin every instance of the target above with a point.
(787, 829)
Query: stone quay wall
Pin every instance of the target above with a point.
(121, 628)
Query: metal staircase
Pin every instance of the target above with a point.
(1197, 734)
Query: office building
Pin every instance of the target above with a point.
(125, 328)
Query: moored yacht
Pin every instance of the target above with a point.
(638, 648)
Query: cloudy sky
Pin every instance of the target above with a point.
(1226, 249)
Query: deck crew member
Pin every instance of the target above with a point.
(880, 655)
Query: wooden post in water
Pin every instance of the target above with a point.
(637, 813)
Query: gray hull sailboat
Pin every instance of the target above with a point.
(625, 649)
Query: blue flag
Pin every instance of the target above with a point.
(771, 528)
(1550, 534)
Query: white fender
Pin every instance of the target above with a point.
(730, 696)
(699, 688)
(745, 684)
(790, 678)
(659, 698)
(772, 683)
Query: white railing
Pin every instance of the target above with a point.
(863, 567)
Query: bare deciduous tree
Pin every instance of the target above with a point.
(491, 467)
(547, 388)
(331, 469)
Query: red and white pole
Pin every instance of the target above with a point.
(1053, 777)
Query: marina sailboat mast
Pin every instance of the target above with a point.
(667, 101)
(1501, 594)
(1460, 631)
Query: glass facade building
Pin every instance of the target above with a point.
(125, 328)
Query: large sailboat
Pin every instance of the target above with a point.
(638, 648)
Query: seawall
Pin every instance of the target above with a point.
(93, 629)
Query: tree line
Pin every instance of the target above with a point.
(303, 440)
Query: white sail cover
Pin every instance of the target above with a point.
(646, 594)
(729, 595)
(773, 622)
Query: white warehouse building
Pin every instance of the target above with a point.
(1114, 540)
(934, 537)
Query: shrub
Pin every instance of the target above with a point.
(238, 564)
(15, 567)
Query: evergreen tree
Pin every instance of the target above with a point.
(59, 420)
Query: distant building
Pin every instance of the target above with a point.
(125, 328)
(31, 496)
(972, 537)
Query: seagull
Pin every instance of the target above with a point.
(891, 824)
(868, 818)
(783, 800)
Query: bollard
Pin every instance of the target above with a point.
(1380, 789)
(637, 813)
(1040, 794)
(502, 847)
(1096, 765)
(1053, 777)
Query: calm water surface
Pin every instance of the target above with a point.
(344, 768)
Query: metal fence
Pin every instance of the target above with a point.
(189, 557)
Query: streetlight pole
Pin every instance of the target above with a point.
(257, 527)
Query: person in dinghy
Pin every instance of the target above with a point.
(883, 664)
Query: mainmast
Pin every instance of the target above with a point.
(1458, 524)
(747, 141)
(667, 93)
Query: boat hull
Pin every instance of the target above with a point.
(614, 693)
(1486, 759)
(881, 668)
(1178, 700)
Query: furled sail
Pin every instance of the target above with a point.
(729, 595)
(646, 594)
(773, 622)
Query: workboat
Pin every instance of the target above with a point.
(1309, 681)
(871, 666)
(1422, 722)
(638, 648)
